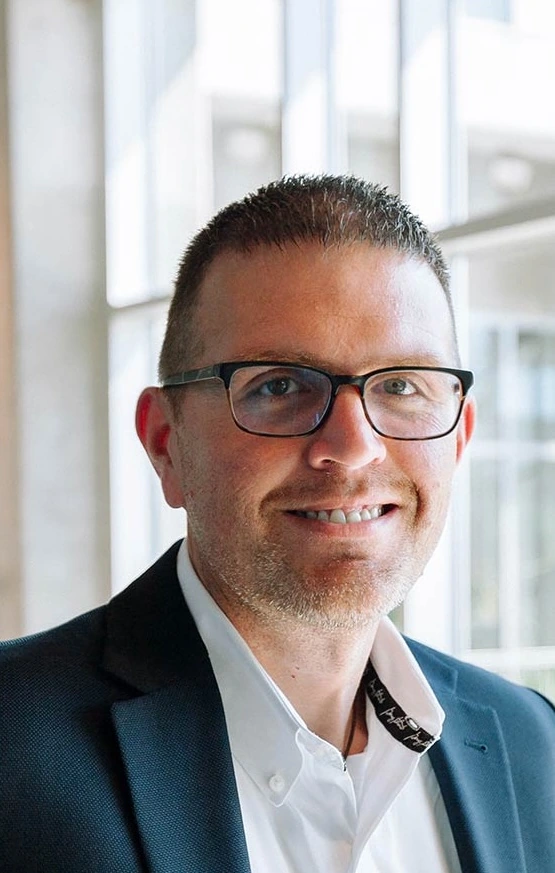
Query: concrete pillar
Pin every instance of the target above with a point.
(55, 112)
(10, 579)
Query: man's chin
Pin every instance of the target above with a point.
(348, 567)
(346, 592)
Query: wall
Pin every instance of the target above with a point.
(54, 118)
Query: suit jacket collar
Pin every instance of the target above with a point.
(172, 737)
(151, 638)
(178, 762)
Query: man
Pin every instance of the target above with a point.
(246, 704)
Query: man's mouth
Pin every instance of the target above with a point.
(345, 516)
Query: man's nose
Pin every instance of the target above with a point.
(346, 437)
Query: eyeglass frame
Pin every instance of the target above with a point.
(224, 372)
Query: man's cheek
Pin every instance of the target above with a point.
(435, 466)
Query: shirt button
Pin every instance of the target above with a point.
(276, 783)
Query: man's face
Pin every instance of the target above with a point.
(347, 310)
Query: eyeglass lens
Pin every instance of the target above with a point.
(291, 401)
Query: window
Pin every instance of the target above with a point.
(448, 103)
(504, 78)
(511, 573)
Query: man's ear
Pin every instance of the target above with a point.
(465, 428)
(155, 428)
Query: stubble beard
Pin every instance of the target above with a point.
(348, 591)
(261, 581)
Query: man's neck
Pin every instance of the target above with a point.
(317, 665)
(318, 670)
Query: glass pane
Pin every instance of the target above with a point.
(542, 680)
(511, 298)
(483, 355)
(152, 130)
(537, 549)
(514, 281)
(246, 143)
(397, 617)
(495, 10)
(506, 70)
(367, 87)
(242, 73)
(537, 385)
(193, 91)
(142, 524)
(242, 48)
(484, 554)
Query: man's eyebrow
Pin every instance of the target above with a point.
(419, 359)
(287, 357)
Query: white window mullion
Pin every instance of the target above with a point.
(460, 618)
(509, 541)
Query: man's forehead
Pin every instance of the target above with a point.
(357, 276)
(354, 304)
(274, 268)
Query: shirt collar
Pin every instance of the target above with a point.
(266, 734)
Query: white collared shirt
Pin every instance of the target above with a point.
(301, 809)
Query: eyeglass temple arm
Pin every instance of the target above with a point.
(192, 376)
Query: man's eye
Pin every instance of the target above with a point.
(278, 387)
(398, 387)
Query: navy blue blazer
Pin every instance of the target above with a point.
(114, 756)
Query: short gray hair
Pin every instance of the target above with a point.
(331, 210)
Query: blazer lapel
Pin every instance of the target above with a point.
(473, 771)
(176, 755)
(172, 736)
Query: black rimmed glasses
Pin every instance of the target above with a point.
(276, 398)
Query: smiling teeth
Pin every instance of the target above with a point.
(339, 516)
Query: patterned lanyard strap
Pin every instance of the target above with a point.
(393, 717)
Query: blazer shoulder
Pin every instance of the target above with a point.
(81, 640)
(44, 660)
(513, 703)
(73, 655)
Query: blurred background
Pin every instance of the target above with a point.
(125, 124)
